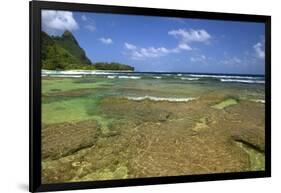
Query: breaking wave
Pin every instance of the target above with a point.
(169, 99)
(64, 75)
(183, 78)
(258, 100)
(243, 81)
(129, 77)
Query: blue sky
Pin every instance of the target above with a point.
(163, 43)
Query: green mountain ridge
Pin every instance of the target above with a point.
(64, 53)
(54, 56)
(69, 43)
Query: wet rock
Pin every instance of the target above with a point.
(225, 103)
(201, 125)
(62, 139)
(121, 172)
(250, 138)
(256, 157)
(164, 116)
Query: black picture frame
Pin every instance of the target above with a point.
(35, 184)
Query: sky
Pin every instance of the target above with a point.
(164, 44)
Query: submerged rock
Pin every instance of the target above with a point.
(144, 111)
(62, 139)
(105, 174)
(256, 157)
(121, 172)
(226, 103)
(201, 125)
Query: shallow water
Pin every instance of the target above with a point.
(107, 125)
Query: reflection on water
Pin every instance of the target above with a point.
(106, 125)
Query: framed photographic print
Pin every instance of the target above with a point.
(123, 96)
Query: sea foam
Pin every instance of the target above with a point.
(184, 78)
(243, 81)
(169, 99)
(258, 101)
(129, 77)
(221, 76)
(65, 76)
(111, 77)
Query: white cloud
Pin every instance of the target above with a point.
(259, 49)
(201, 58)
(91, 28)
(185, 37)
(191, 35)
(106, 40)
(231, 61)
(130, 46)
(184, 46)
(139, 53)
(84, 18)
(55, 22)
(89, 23)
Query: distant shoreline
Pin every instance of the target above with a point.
(127, 74)
(82, 70)
(150, 72)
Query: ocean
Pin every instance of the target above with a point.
(101, 125)
(174, 86)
